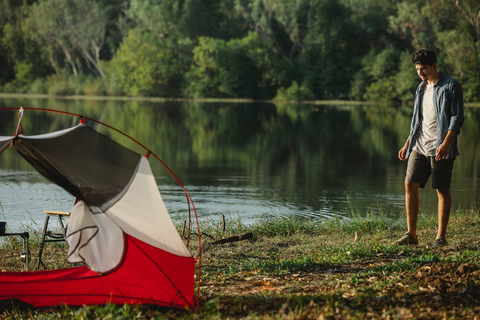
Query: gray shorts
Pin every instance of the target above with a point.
(420, 168)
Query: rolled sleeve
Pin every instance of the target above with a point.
(456, 108)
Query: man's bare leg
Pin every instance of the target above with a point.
(444, 207)
(412, 206)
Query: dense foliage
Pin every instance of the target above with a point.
(257, 49)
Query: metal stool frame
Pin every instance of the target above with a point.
(56, 236)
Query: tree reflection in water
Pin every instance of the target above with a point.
(254, 160)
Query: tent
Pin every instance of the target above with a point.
(119, 227)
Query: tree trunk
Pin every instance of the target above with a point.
(52, 60)
(472, 17)
(68, 56)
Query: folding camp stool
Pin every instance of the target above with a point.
(52, 236)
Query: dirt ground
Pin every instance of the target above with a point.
(433, 290)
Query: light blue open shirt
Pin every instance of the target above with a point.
(448, 104)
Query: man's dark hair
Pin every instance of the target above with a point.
(424, 56)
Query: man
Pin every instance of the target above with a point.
(431, 147)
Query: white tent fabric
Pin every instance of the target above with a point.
(93, 239)
(141, 213)
(50, 135)
(97, 238)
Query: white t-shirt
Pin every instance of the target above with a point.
(427, 138)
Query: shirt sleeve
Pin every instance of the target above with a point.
(456, 108)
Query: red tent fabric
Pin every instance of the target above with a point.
(146, 275)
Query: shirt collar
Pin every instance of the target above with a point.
(440, 80)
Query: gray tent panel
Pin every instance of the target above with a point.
(4, 143)
(89, 165)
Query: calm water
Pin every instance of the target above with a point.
(246, 160)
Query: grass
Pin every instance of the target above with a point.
(307, 269)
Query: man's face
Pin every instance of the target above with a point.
(426, 72)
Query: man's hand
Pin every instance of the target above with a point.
(402, 154)
(444, 148)
(442, 151)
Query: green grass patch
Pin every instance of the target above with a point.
(307, 269)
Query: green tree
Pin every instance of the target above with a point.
(21, 59)
(370, 18)
(335, 49)
(188, 18)
(410, 22)
(327, 61)
(382, 70)
(470, 10)
(219, 71)
(74, 28)
(391, 74)
(459, 42)
(283, 23)
(294, 93)
(270, 70)
(22, 56)
(373, 37)
(452, 29)
(406, 79)
(239, 68)
(383, 90)
(146, 65)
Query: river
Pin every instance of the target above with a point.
(247, 161)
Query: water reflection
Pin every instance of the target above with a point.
(249, 160)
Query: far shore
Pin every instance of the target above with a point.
(209, 100)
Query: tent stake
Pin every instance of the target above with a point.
(183, 229)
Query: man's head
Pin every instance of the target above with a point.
(423, 56)
(425, 63)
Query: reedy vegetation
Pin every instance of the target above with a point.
(255, 49)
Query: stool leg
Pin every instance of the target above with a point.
(26, 249)
(40, 251)
(60, 221)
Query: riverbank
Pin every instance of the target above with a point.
(348, 103)
(160, 99)
(301, 269)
